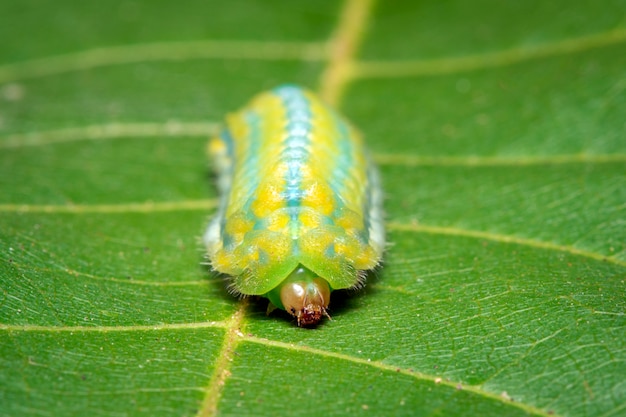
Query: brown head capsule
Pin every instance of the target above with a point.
(307, 301)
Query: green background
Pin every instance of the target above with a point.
(499, 127)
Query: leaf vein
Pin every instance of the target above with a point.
(145, 207)
(109, 131)
(105, 329)
(344, 44)
(223, 363)
(474, 389)
(414, 68)
(453, 231)
(164, 51)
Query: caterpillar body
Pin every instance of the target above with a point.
(300, 211)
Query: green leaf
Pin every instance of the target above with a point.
(499, 130)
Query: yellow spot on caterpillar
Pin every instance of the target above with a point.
(268, 199)
(320, 197)
(350, 220)
(237, 226)
(225, 262)
(310, 219)
(238, 223)
(348, 247)
(263, 248)
(316, 242)
(216, 147)
(277, 221)
(237, 125)
(366, 258)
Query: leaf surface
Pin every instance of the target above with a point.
(499, 131)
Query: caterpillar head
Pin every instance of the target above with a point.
(306, 300)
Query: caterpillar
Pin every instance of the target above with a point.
(300, 211)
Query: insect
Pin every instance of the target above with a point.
(300, 212)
